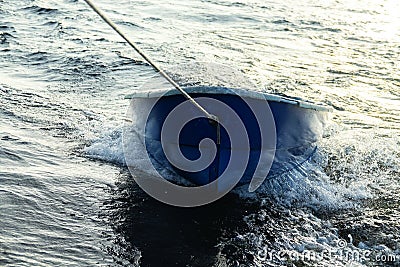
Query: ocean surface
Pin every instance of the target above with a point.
(66, 197)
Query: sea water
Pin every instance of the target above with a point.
(66, 197)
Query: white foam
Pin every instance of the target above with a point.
(107, 147)
(339, 176)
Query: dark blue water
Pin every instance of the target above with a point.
(66, 197)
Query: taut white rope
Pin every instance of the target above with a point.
(141, 53)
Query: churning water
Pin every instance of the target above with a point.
(66, 197)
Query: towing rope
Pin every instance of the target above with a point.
(212, 118)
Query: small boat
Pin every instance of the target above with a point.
(294, 128)
(216, 137)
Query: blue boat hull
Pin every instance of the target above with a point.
(297, 131)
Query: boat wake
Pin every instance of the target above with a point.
(305, 209)
(313, 184)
